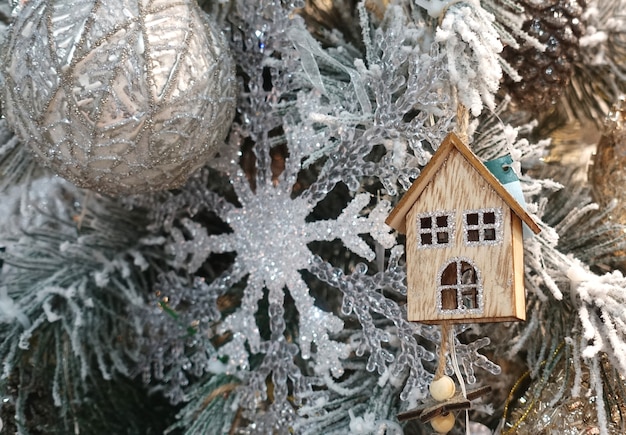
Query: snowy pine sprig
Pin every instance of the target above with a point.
(599, 78)
(472, 45)
(66, 286)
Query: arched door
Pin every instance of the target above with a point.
(460, 286)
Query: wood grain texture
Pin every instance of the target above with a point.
(397, 217)
(518, 268)
(459, 186)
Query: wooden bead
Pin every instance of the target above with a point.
(442, 389)
(443, 423)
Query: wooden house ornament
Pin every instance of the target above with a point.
(464, 248)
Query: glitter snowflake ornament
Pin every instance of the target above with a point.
(120, 96)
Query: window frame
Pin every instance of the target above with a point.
(434, 229)
(481, 227)
(460, 288)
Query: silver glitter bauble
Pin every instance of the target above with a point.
(118, 96)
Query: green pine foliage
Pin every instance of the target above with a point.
(70, 280)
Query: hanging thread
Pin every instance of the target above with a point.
(459, 376)
(462, 122)
(443, 350)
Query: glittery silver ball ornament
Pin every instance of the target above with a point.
(118, 96)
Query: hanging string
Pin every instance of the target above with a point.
(455, 363)
(462, 122)
(513, 152)
(459, 376)
(443, 350)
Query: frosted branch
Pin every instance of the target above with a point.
(472, 46)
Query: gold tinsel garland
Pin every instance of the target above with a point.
(547, 406)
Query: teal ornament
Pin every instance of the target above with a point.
(502, 169)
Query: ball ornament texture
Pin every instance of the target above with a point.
(118, 96)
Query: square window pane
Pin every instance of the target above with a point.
(426, 239)
(490, 234)
(471, 218)
(442, 221)
(489, 217)
(472, 236)
(426, 222)
(442, 237)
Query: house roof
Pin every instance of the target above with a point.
(397, 217)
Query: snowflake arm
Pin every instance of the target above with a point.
(362, 297)
(349, 224)
(315, 325)
(191, 248)
(468, 356)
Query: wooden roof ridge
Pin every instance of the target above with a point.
(397, 217)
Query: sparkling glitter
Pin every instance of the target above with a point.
(460, 286)
(117, 96)
(435, 229)
(482, 227)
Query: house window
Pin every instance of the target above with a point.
(435, 230)
(460, 287)
(482, 227)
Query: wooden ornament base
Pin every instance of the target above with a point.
(431, 408)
